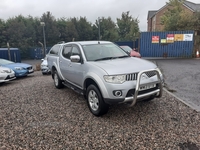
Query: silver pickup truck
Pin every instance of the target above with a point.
(104, 74)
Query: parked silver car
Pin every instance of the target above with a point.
(44, 66)
(6, 74)
(104, 73)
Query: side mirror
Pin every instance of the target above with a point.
(75, 58)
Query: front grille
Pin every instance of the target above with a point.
(150, 74)
(131, 77)
(29, 68)
(134, 76)
(8, 77)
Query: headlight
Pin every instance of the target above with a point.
(19, 68)
(5, 71)
(2, 71)
(115, 79)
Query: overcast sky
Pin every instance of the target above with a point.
(91, 9)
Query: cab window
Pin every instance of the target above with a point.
(55, 49)
(66, 52)
(76, 51)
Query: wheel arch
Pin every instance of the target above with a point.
(53, 69)
(98, 83)
(88, 82)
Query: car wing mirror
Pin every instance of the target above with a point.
(75, 58)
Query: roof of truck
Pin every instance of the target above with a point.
(89, 42)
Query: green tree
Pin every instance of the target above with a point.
(51, 31)
(2, 33)
(175, 17)
(108, 29)
(71, 31)
(128, 27)
(196, 21)
(83, 28)
(62, 28)
(20, 33)
(186, 21)
(25, 33)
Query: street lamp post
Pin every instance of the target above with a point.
(43, 24)
(9, 57)
(99, 27)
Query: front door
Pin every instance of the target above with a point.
(71, 71)
(76, 71)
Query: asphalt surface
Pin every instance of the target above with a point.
(182, 78)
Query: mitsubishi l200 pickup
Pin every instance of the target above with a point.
(104, 74)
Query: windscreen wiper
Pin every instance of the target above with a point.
(123, 56)
(105, 58)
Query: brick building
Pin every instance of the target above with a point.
(154, 16)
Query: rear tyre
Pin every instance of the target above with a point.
(95, 101)
(57, 81)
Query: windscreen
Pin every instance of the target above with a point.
(5, 62)
(95, 52)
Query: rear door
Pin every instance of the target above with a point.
(53, 55)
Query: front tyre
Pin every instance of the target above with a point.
(95, 101)
(57, 81)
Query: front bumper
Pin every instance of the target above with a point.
(134, 94)
(7, 78)
(45, 70)
(21, 73)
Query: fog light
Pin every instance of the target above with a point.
(117, 93)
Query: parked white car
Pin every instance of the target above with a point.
(6, 74)
(44, 66)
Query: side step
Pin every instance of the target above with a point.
(74, 88)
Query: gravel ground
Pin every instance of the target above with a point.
(36, 115)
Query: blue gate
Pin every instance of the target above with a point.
(14, 54)
(167, 44)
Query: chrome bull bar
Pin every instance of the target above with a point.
(133, 99)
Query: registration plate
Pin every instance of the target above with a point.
(11, 75)
(146, 87)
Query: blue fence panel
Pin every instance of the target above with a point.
(132, 44)
(128, 43)
(37, 53)
(14, 54)
(181, 48)
(136, 43)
